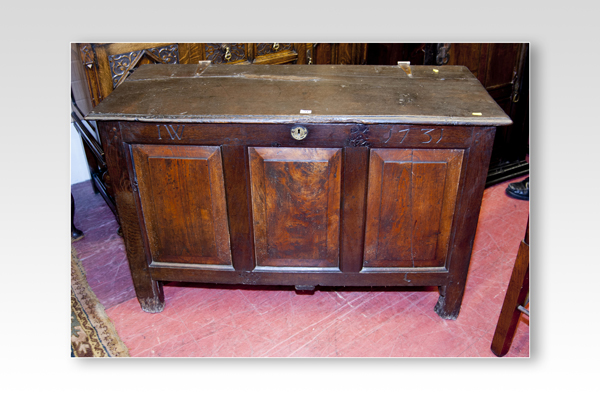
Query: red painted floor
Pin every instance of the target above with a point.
(235, 321)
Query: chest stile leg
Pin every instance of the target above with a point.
(148, 291)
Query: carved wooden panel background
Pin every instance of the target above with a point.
(410, 205)
(268, 48)
(219, 53)
(296, 206)
(106, 63)
(278, 53)
(127, 62)
(183, 201)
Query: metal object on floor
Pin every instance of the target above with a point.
(504, 172)
(523, 310)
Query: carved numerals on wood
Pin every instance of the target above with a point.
(415, 135)
(360, 136)
(173, 132)
(427, 132)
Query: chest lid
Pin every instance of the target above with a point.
(444, 95)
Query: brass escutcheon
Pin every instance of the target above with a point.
(299, 132)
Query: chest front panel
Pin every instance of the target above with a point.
(410, 206)
(296, 206)
(183, 203)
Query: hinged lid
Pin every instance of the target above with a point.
(446, 95)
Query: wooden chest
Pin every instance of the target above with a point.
(302, 175)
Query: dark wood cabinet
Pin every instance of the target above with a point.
(299, 175)
(502, 68)
(107, 65)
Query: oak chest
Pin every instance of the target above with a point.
(301, 175)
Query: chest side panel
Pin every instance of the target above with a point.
(183, 202)
(410, 206)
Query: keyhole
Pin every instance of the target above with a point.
(299, 132)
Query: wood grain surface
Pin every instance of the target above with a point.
(410, 206)
(183, 201)
(285, 93)
(296, 206)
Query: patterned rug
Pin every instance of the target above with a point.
(92, 332)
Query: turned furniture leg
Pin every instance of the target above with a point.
(517, 291)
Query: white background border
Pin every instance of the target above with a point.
(35, 209)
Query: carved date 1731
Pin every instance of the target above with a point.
(428, 137)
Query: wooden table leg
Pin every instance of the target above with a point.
(517, 291)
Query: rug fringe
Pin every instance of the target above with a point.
(92, 332)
